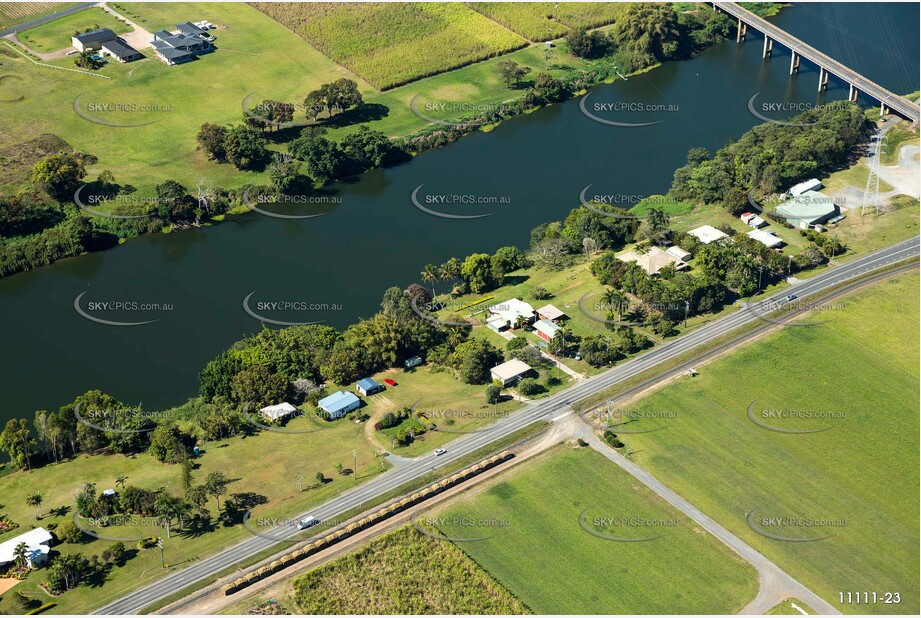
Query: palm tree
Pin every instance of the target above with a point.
(615, 300)
(120, 481)
(35, 501)
(20, 554)
(169, 508)
(429, 274)
(658, 221)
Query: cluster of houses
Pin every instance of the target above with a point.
(185, 43)
(37, 542)
(804, 208)
(516, 313)
(337, 404)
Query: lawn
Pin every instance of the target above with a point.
(861, 367)
(453, 405)
(266, 464)
(785, 608)
(537, 547)
(56, 34)
(404, 572)
(393, 44)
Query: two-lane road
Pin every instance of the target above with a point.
(545, 410)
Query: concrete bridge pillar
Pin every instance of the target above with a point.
(823, 79)
(852, 93)
(794, 62)
(741, 31)
(768, 47)
(882, 109)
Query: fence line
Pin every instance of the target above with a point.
(45, 64)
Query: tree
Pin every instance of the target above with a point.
(615, 301)
(529, 386)
(658, 221)
(512, 72)
(67, 571)
(17, 442)
(430, 274)
(245, 147)
(198, 497)
(314, 103)
(344, 94)
(558, 343)
(216, 486)
(20, 555)
(120, 480)
(324, 159)
(587, 45)
(211, 138)
(284, 172)
(320, 478)
(493, 394)
(368, 148)
(174, 202)
(69, 532)
(169, 508)
(509, 259)
(473, 359)
(167, 443)
(477, 271)
(34, 500)
(115, 553)
(59, 174)
(259, 386)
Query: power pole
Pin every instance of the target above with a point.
(160, 545)
(355, 469)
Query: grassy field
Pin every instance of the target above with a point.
(540, 504)
(430, 389)
(393, 44)
(861, 366)
(245, 459)
(404, 572)
(542, 21)
(56, 34)
(785, 608)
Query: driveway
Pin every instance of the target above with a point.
(138, 38)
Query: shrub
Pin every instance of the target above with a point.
(69, 532)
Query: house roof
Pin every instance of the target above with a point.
(550, 312)
(547, 327)
(678, 252)
(707, 234)
(103, 34)
(120, 49)
(338, 401)
(808, 206)
(510, 309)
(368, 383)
(653, 260)
(278, 411)
(171, 53)
(766, 238)
(510, 369)
(36, 540)
(188, 27)
(808, 185)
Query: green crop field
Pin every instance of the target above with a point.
(859, 366)
(536, 546)
(404, 572)
(542, 21)
(56, 34)
(393, 44)
(12, 13)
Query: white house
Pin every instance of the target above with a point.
(505, 314)
(766, 238)
(678, 253)
(509, 371)
(279, 411)
(707, 234)
(38, 542)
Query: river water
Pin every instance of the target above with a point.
(533, 168)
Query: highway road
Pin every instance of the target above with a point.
(545, 410)
(44, 20)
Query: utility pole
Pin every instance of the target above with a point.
(355, 469)
(687, 308)
(160, 545)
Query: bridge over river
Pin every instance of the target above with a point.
(888, 101)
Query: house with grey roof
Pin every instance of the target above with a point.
(107, 43)
(186, 44)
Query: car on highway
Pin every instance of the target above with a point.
(790, 297)
(307, 522)
(440, 451)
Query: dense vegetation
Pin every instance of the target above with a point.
(390, 44)
(404, 572)
(542, 21)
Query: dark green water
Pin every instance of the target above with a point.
(376, 237)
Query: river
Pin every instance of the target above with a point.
(534, 165)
